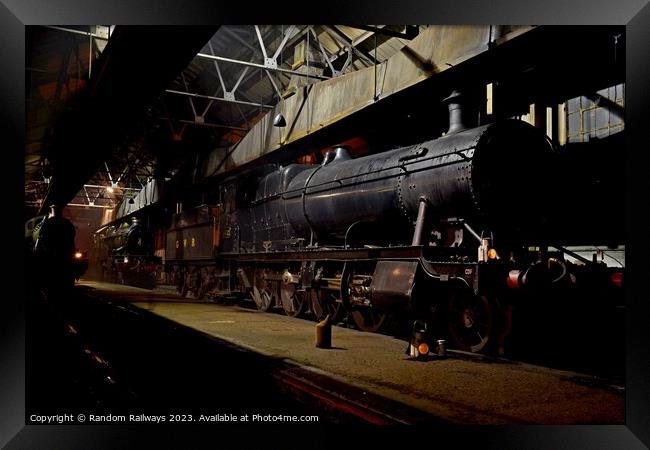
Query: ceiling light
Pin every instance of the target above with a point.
(279, 121)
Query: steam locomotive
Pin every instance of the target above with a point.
(50, 265)
(124, 254)
(450, 231)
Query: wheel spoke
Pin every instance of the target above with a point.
(261, 292)
(293, 301)
(368, 320)
(323, 302)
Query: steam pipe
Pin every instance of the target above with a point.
(472, 232)
(419, 223)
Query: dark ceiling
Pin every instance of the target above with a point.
(117, 106)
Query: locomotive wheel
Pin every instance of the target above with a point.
(262, 292)
(182, 287)
(193, 281)
(368, 319)
(293, 300)
(323, 302)
(262, 299)
(471, 325)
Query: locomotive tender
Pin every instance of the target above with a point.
(438, 229)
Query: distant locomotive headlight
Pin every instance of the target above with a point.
(78, 255)
(423, 348)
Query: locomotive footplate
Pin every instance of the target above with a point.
(479, 277)
(330, 254)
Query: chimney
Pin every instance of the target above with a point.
(454, 101)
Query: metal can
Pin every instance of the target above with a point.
(442, 349)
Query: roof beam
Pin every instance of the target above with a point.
(409, 33)
(338, 35)
(203, 124)
(261, 66)
(70, 30)
(288, 34)
(219, 99)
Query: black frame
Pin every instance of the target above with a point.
(635, 14)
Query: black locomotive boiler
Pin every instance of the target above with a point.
(444, 231)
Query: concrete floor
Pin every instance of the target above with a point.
(457, 389)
